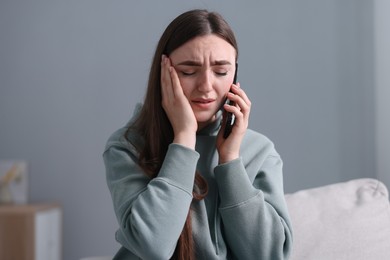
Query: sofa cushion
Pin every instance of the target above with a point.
(349, 220)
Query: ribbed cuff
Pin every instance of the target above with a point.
(233, 183)
(179, 166)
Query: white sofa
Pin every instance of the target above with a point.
(342, 221)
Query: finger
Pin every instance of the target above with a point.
(239, 122)
(236, 89)
(241, 99)
(241, 109)
(176, 86)
(241, 102)
(166, 82)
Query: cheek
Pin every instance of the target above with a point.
(226, 84)
(187, 86)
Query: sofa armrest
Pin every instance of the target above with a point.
(349, 220)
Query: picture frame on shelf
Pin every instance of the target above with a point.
(13, 181)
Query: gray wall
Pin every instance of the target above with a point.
(72, 71)
(382, 90)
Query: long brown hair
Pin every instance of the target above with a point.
(152, 122)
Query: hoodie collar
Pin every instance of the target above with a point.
(213, 128)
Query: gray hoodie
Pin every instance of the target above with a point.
(244, 215)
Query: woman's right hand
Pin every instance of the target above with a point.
(176, 106)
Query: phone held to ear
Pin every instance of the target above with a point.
(230, 118)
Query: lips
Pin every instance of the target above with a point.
(203, 100)
(203, 103)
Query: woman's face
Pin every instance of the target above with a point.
(205, 66)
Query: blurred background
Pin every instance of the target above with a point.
(72, 71)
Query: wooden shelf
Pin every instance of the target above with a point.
(31, 232)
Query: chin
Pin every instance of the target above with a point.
(205, 120)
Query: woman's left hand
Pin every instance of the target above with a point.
(229, 148)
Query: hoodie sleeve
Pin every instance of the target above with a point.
(252, 205)
(151, 212)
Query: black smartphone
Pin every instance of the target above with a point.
(230, 117)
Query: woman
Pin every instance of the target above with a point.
(180, 189)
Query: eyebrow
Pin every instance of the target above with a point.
(199, 64)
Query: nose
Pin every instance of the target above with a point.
(205, 81)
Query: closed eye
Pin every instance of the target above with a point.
(187, 73)
(221, 73)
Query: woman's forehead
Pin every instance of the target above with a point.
(205, 48)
